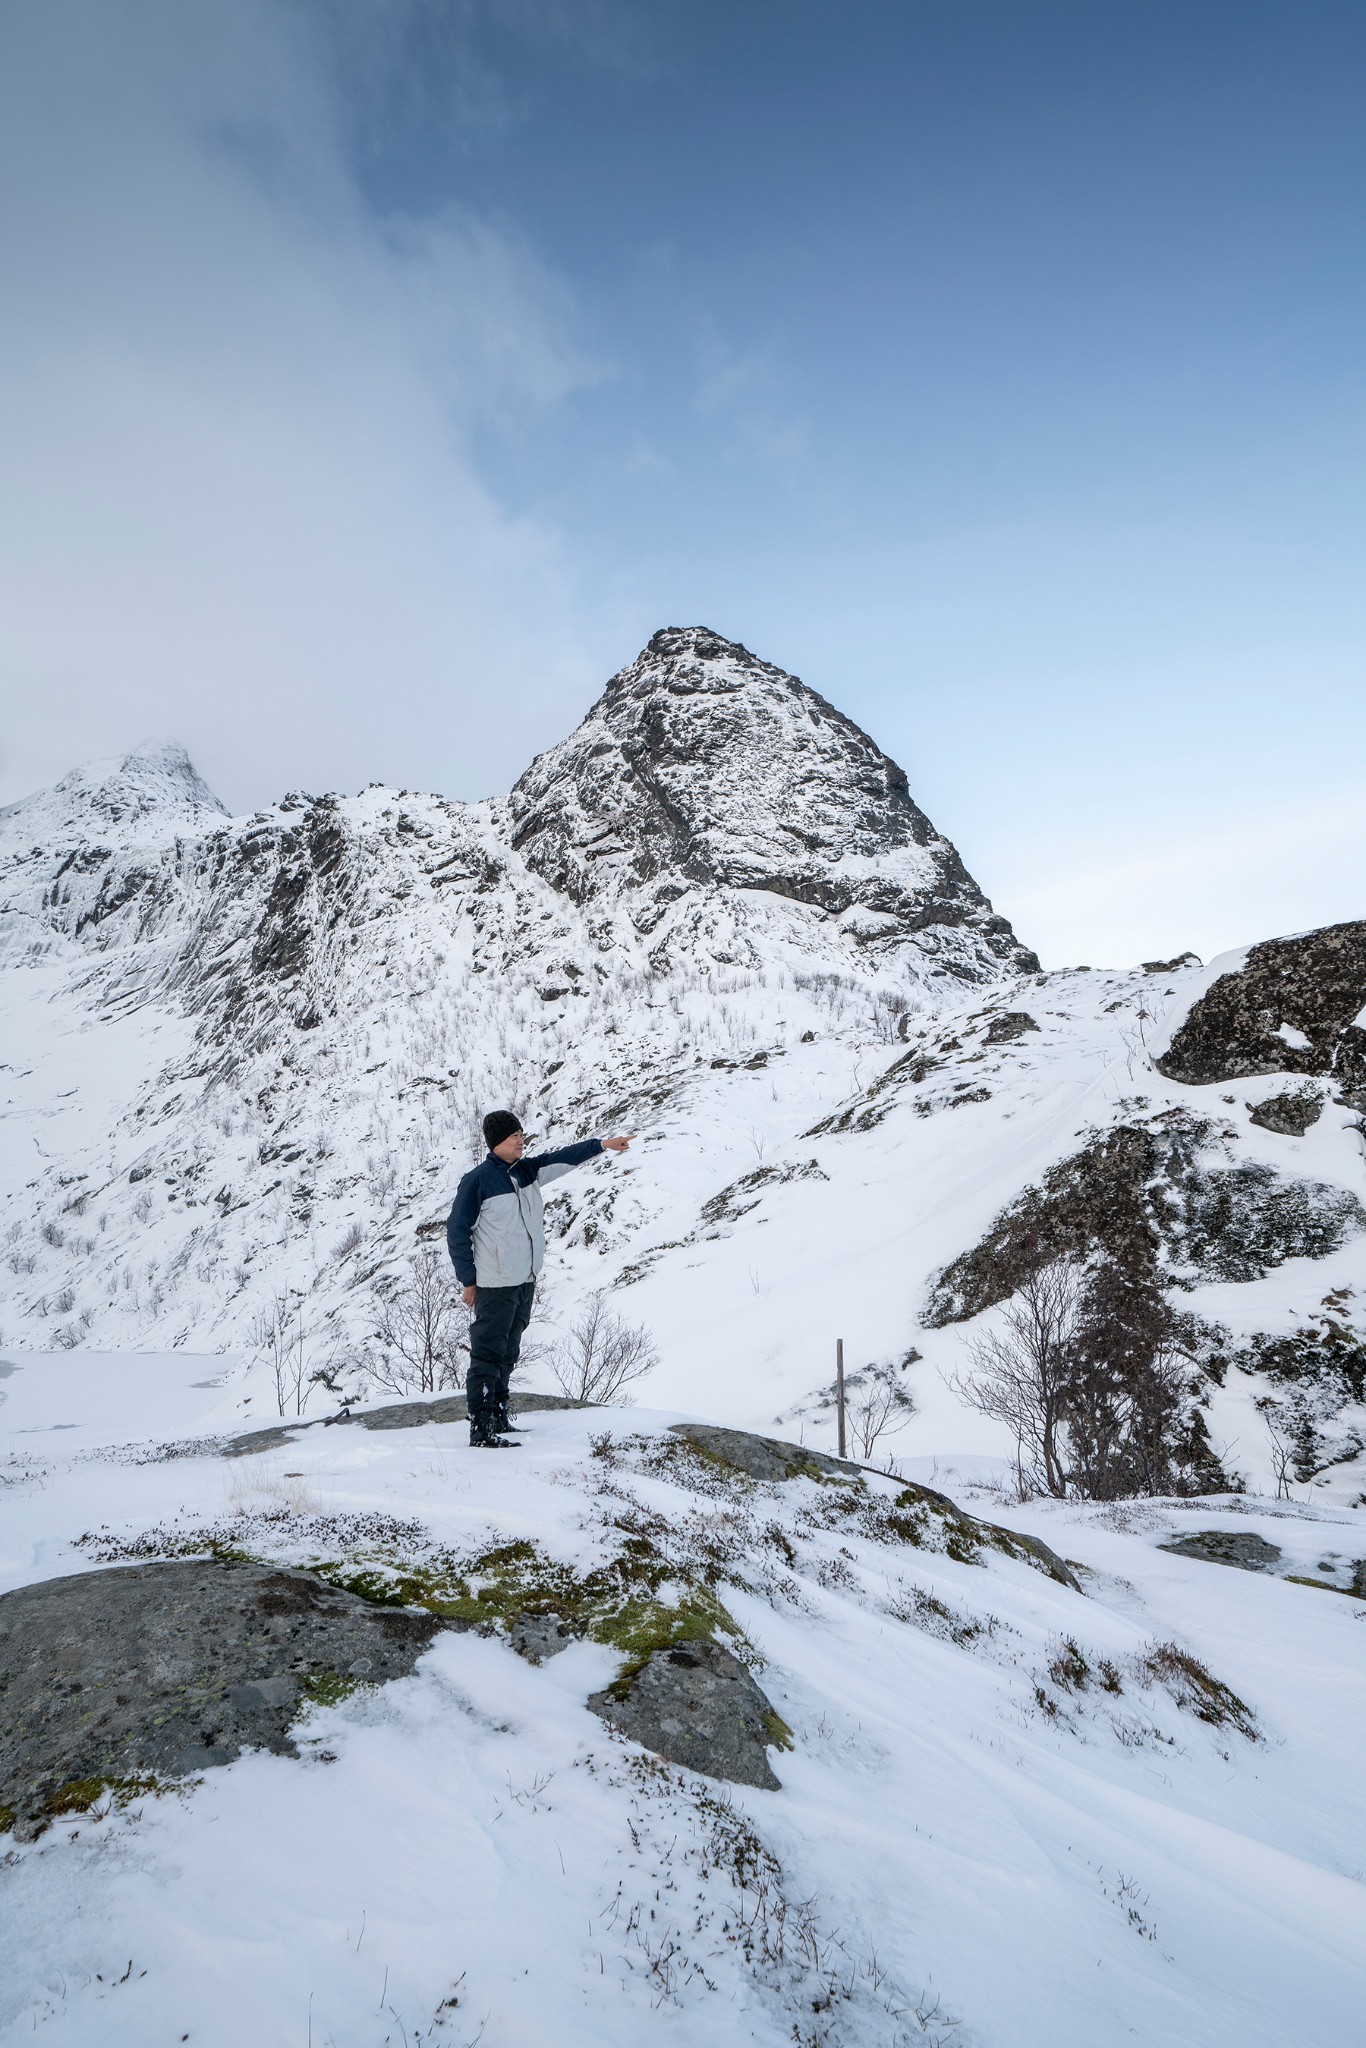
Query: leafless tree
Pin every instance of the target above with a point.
(602, 1354)
(279, 1334)
(1282, 1448)
(878, 1405)
(1020, 1373)
(419, 1329)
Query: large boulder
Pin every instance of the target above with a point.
(162, 1670)
(1293, 1007)
(763, 1457)
(1240, 1548)
(695, 1704)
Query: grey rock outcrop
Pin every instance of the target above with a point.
(763, 1457)
(398, 1415)
(702, 767)
(163, 1670)
(696, 1705)
(1011, 1024)
(1291, 1008)
(1157, 1199)
(1290, 1115)
(1239, 1548)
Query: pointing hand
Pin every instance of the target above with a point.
(617, 1144)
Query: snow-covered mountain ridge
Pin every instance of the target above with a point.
(247, 1059)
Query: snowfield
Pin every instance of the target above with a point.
(242, 1070)
(975, 1841)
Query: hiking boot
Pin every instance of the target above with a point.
(505, 1426)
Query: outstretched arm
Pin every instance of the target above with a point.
(550, 1165)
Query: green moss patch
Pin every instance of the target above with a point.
(78, 1795)
(329, 1688)
(637, 1602)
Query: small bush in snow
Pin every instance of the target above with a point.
(602, 1355)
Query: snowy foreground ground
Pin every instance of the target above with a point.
(970, 1845)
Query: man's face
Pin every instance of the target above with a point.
(511, 1149)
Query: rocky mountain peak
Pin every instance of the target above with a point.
(155, 784)
(703, 767)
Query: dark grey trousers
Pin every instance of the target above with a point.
(501, 1314)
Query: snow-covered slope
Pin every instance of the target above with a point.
(1012, 1815)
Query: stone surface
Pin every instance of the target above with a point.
(763, 1457)
(1011, 1024)
(1156, 1198)
(166, 1669)
(538, 1637)
(399, 1415)
(1248, 1553)
(1290, 1114)
(1292, 1008)
(696, 1705)
(703, 767)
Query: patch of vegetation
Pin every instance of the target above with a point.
(1197, 1690)
(776, 1731)
(1068, 1667)
(637, 1602)
(329, 1688)
(79, 1795)
(925, 1611)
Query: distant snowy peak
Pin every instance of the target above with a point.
(702, 766)
(156, 786)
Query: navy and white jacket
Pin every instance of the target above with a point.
(495, 1233)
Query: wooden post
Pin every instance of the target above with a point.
(839, 1387)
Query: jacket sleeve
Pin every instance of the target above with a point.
(550, 1165)
(460, 1226)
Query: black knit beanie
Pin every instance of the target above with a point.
(499, 1124)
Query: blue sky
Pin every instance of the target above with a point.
(385, 373)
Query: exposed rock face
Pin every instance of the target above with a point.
(1248, 1553)
(696, 1705)
(1155, 1200)
(1291, 1114)
(702, 765)
(1009, 1025)
(763, 1457)
(1292, 1008)
(166, 1669)
(398, 1415)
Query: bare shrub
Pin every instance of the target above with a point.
(602, 1354)
(420, 1329)
(1019, 1374)
(1092, 1373)
(350, 1241)
(877, 1405)
(1282, 1448)
(278, 1333)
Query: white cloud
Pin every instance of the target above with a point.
(238, 502)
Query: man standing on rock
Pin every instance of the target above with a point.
(496, 1238)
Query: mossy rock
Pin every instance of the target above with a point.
(117, 1680)
(763, 1457)
(698, 1706)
